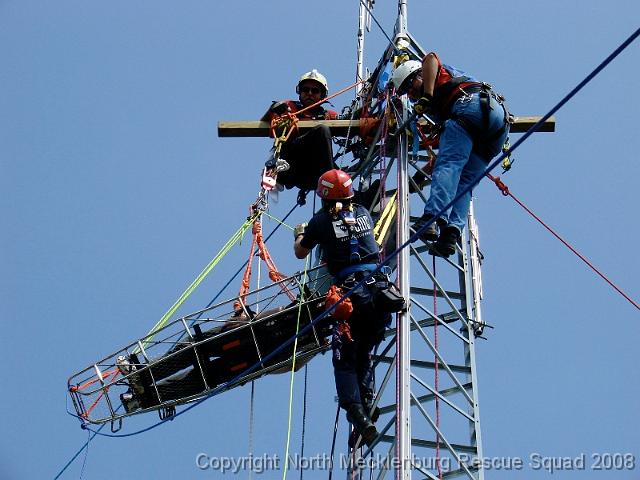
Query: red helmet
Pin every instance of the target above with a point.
(335, 185)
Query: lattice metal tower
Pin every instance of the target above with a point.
(432, 421)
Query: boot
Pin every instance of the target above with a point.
(362, 423)
(367, 404)
(431, 232)
(446, 243)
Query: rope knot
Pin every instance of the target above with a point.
(501, 186)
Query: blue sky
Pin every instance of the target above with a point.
(117, 191)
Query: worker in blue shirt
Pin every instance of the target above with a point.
(344, 231)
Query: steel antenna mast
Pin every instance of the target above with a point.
(403, 343)
(437, 423)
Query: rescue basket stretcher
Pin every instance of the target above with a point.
(209, 349)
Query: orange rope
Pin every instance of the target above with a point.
(320, 102)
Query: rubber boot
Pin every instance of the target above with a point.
(446, 243)
(362, 423)
(430, 233)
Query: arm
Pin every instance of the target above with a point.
(429, 72)
(300, 251)
(276, 108)
(298, 234)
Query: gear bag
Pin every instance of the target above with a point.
(386, 296)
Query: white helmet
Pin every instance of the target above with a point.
(404, 71)
(316, 76)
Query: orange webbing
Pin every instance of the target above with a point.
(274, 275)
(246, 278)
(263, 253)
(106, 374)
(344, 309)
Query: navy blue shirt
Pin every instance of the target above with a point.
(333, 236)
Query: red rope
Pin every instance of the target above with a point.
(505, 191)
(436, 379)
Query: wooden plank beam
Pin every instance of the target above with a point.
(339, 128)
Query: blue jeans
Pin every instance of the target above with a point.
(352, 363)
(458, 164)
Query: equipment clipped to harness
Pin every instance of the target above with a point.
(342, 312)
(344, 309)
(345, 213)
(386, 296)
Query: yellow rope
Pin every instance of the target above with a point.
(237, 236)
(277, 220)
(293, 371)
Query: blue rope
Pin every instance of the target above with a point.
(395, 253)
(92, 433)
(411, 239)
(86, 445)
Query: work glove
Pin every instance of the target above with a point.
(423, 104)
(299, 230)
(279, 108)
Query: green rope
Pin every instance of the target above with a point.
(278, 221)
(293, 371)
(236, 237)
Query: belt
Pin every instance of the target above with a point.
(362, 267)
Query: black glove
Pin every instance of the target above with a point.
(279, 107)
(423, 104)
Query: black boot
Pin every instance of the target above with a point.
(368, 405)
(430, 233)
(362, 423)
(446, 243)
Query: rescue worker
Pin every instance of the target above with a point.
(344, 231)
(475, 125)
(310, 154)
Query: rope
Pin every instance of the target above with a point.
(505, 191)
(293, 371)
(236, 237)
(436, 367)
(325, 99)
(281, 222)
(413, 238)
(86, 454)
(251, 412)
(304, 415)
(333, 442)
(92, 435)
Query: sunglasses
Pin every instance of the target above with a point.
(406, 85)
(313, 90)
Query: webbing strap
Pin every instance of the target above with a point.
(383, 224)
(236, 237)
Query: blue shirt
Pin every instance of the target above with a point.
(333, 235)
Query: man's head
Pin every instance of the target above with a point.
(407, 79)
(312, 87)
(335, 185)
